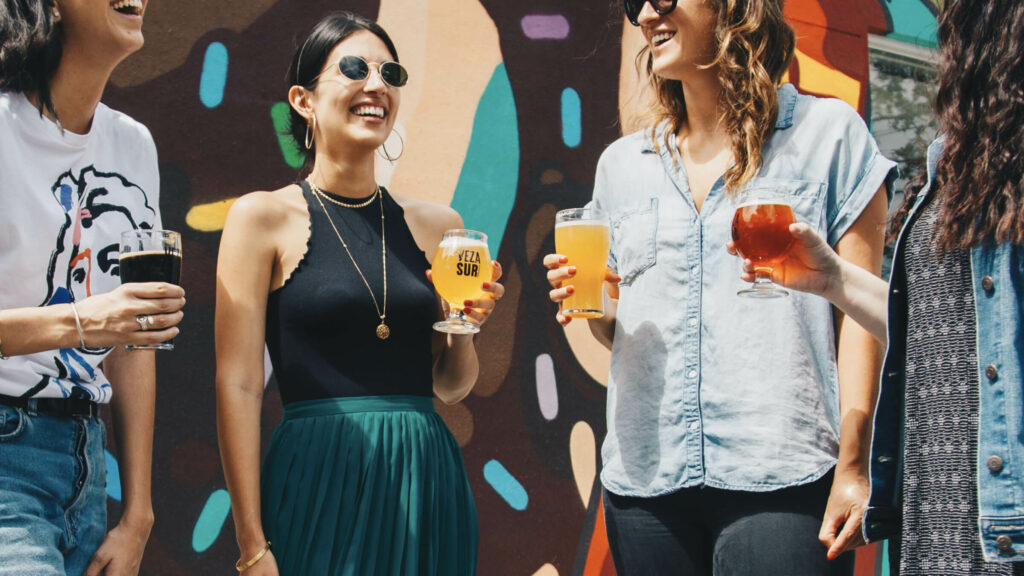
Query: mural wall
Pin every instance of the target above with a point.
(508, 108)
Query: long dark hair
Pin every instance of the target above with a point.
(979, 180)
(309, 59)
(755, 46)
(30, 49)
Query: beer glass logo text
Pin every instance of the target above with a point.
(469, 263)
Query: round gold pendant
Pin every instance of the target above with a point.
(383, 331)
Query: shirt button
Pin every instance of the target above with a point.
(991, 372)
(695, 271)
(691, 374)
(995, 464)
(1004, 543)
(988, 284)
(692, 321)
(694, 426)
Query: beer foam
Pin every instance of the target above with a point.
(764, 202)
(568, 223)
(461, 241)
(142, 253)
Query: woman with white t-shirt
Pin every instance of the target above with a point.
(74, 174)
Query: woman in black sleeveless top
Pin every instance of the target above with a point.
(362, 476)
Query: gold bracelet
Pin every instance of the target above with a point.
(248, 564)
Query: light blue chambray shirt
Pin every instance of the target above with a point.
(708, 388)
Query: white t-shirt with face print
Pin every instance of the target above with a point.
(64, 200)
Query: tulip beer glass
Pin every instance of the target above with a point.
(582, 236)
(760, 230)
(150, 256)
(461, 265)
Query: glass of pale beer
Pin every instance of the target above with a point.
(582, 236)
(150, 256)
(461, 265)
(760, 231)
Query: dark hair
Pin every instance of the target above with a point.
(309, 59)
(979, 180)
(755, 46)
(30, 49)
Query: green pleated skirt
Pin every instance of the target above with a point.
(368, 486)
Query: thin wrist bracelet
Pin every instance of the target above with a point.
(248, 564)
(78, 324)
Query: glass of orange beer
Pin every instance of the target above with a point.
(760, 230)
(582, 236)
(461, 265)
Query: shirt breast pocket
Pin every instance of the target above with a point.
(805, 197)
(634, 240)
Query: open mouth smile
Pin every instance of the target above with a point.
(128, 7)
(369, 111)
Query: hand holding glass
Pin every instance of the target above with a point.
(150, 256)
(461, 265)
(760, 231)
(582, 235)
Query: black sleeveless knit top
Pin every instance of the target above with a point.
(321, 324)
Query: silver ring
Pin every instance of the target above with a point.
(145, 322)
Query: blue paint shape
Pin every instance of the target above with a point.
(65, 197)
(506, 485)
(490, 173)
(215, 75)
(113, 477)
(572, 123)
(913, 22)
(211, 520)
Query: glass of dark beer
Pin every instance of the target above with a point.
(760, 230)
(150, 256)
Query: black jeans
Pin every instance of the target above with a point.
(706, 531)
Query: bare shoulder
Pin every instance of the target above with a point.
(263, 210)
(428, 217)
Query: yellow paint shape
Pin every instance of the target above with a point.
(820, 79)
(209, 217)
(583, 453)
(594, 357)
(446, 80)
(546, 570)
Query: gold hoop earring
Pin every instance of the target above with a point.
(384, 147)
(309, 133)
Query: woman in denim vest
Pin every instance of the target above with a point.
(947, 465)
(737, 428)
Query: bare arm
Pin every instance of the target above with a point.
(244, 266)
(859, 361)
(107, 320)
(132, 374)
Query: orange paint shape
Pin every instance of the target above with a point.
(599, 556)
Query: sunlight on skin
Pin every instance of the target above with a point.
(445, 84)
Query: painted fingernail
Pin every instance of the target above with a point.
(569, 290)
(572, 270)
(467, 303)
(467, 310)
(487, 285)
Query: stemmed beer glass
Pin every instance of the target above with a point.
(760, 231)
(461, 265)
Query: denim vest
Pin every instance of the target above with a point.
(998, 278)
(707, 388)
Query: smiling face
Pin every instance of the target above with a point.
(681, 40)
(102, 29)
(354, 112)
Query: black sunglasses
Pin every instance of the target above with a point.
(633, 8)
(355, 68)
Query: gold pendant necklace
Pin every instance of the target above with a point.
(382, 330)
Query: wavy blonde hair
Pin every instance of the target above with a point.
(755, 46)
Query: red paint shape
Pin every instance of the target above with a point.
(599, 557)
(865, 563)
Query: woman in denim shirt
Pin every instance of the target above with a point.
(724, 453)
(948, 447)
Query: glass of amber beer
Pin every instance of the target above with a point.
(461, 265)
(150, 256)
(582, 236)
(760, 230)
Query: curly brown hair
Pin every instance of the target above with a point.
(755, 46)
(979, 181)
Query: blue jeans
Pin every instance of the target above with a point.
(705, 531)
(53, 513)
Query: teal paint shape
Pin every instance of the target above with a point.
(215, 75)
(572, 118)
(506, 485)
(487, 184)
(211, 520)
(113, 477)
(913, 22)
(279, 115)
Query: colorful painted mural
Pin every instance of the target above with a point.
(508, 107)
